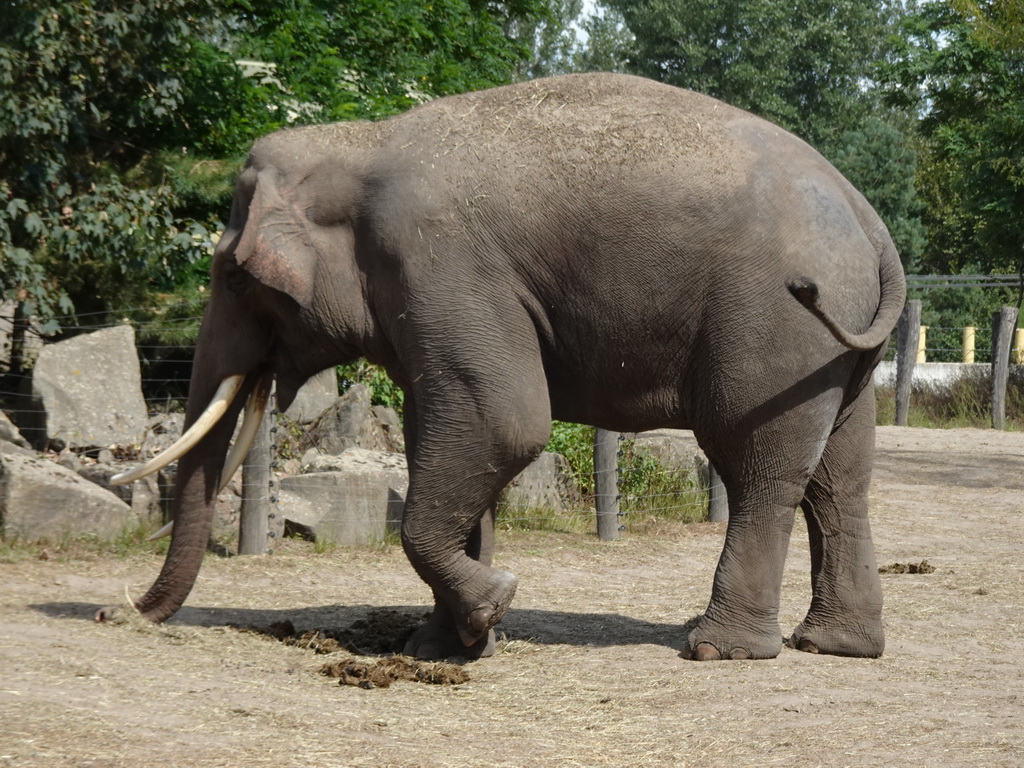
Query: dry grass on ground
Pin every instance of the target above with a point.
(589, 673)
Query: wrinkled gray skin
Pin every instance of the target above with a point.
(597, 249)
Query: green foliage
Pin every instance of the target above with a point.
(374, 58)
(963, 69)
(609, 45)
(879, 159)
(79, 83)
(650, 491)
(965, 403)
(800, 65)
(383, 390)
(575, 442)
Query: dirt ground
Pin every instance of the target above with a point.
(590, 672)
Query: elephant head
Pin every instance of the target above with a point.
(286, 301)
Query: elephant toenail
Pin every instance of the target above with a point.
(705, 652)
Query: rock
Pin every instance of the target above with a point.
(354, 498)
(546, 484)
(162, 430)
(143, 496)
(42, 500)
(673, 448)
(351, 422)
(9, 433)
(86, 392)
(314, 397)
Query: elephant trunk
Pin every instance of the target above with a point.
(202, 472)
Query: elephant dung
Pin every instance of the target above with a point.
(354, 498)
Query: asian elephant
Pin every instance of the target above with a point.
(592, 248)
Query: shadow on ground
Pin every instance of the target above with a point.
(533, 625)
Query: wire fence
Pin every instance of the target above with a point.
(648, 487)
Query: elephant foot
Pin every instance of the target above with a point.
(465, 627)
(712, 642)
(475, 616)
(866, 642)
(438, 639)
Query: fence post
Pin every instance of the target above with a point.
(968, 353)
(1017, 353)
(718, 501)
(908, 331)
(606, 483)
(254, 529)
(1003, 323)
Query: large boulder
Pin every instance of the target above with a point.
(43, 500)
(546, 484)
(353, 422)
(673, 449)
(86, 392)
(314, 397)
(142, 496)
(353, 498)
(9, 433)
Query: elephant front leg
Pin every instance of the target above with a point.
(448, 531)
(439, 638)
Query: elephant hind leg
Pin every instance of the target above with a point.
(845, 616)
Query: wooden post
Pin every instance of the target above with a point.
(1017, 353)
(922, 345)
(718, 500)
(1003, 323)
(908, 331)
(606, 483)
(254, 520)
(968, 353)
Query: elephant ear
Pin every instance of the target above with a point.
(275, 246)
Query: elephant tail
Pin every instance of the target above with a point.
(890, 305)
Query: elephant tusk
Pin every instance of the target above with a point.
(254, 411)
(165, 531)
(226, 392)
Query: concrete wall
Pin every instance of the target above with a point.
(937, 375)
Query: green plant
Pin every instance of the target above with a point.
(967, 402)
(383, 390)
(575, 442)
(648, 489)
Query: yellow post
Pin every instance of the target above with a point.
(921, 344)
(968, 356)
(1017, 353)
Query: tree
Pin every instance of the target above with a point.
(961, 66)
(80, 84)
(880, 159)
(801, 64)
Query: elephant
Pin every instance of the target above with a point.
(601, 249)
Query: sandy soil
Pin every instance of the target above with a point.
(590, 673)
